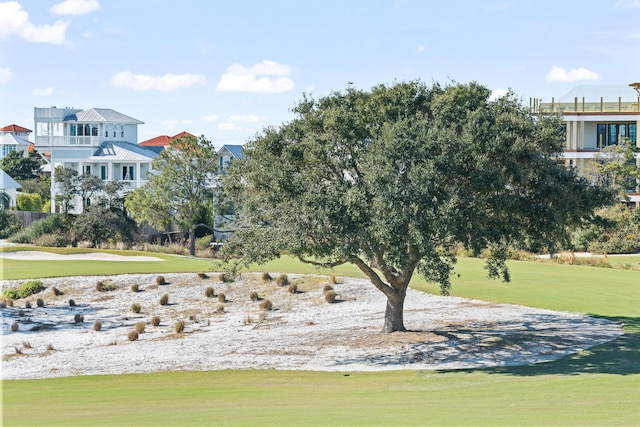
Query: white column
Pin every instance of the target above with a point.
(138, 173)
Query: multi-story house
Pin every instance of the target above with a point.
(14, 138)
(98, 141)
(595, 117)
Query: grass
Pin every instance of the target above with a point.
(595, 387)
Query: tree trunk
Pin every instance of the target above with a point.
(192, 240)
(394, 313)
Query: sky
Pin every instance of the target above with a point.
(228, 69)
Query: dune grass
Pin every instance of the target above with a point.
(595, 387)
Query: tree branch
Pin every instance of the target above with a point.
(373, 276)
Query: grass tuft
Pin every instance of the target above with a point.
(56, 292)
(135, 288)
(97, 326)
(164, 299)
(72, 303)
(160, 281)
(40, 302)
(140, 326)
(266, 305)
(179, 326)
(132, 335)
(136, 308)
(293, 288)
(282, 280)
(253, 296)
(78, 318)
(222, 297)
(209, 292)
(14, 327)
(266, 277)
(27, 304)
(155, 320)
(330, 296)
(203, 275)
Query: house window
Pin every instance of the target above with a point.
(127, 173)
(612, 133)
(87, 169)
(121, 131)
(103, 172)
(633, 132)
(94, 130)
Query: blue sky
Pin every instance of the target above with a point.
(227, 69)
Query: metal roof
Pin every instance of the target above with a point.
(235, 150)
(6, 182)
(593, 93)
(10, 139)
(95, 115)
(122, 151)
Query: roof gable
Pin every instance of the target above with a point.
(15, 129)
(234, 150)
(122, 151)
(10, 139)
(164, 140)
(6, 182)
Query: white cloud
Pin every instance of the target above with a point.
(210, 118)
(497, 94)
(228, 126)
(559, 74)
(627, 4)
(75, 7)
(5, 75)
(47, 91)
(421, 48)
(165, 83)
(14, 20)
(257, 78)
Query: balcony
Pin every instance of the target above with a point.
(69, 141)
(580, 106)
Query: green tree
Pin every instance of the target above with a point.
(5, 200)
(67, 181)
(88, 185)
(394, 179)
(29, 202)
(19, 167)
(40, 185)
(616, 166)
(181, 186)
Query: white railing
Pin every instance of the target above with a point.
(66, 141)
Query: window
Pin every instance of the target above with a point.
(121, 131)
(127, 173)
(633, 132)
(94, 130)
(103, 172)
(612, 133)
(87, 169)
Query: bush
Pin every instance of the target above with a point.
(105, 286)
(222, 297)
(164, 300)
(293, 288)
(203, 276)
(266, 277)
(327, 288)
(78, 318)
(253, 296)
(136, 308)
(57, 292)
(27, 304)
(40, 302)
(132, 335)
(24, 290)
(209, 292)
(135, 288)
(97, 326)
(155, 320)
(72, 303)
(179, 326)
(330, 296)
(160, 281)
(14, 327)
(227, 277)
(332, 279)
(53, 224)
(282, 280)
(29, 202)
(10, 224)
(140, 326)
(266, 305)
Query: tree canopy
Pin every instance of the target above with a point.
(178, 188)
(19, 167)
(394, 179)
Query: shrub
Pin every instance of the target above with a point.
(9, 223)
(266, 277)
(132, 335)
(203, 276)
(193, 318)
(57, 292)
(26, 344)
(53, 224)
(282, 280)
(179, 326)
(135, 288)
(72, 303)
(40, 302)
(266, 305)
(209, 292)
(50, 347)
(51, 240)
(27, 304)
(226, 277)
(14, 327)
(160, 281)
(3, 304)
(164, 300)
(78, 318)
(330, 296)
(97, 326)
(327, 288)
(9, 302)
(332, 279)
(105, 286)
(155, 320)
(20, 313)
(136, 308)
(254, 296)
(222, 297)
(219, 309)
(293, 288)
(140, 327)
(24, 290)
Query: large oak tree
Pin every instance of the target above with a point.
(395, 179)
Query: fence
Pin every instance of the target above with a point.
(28, 217)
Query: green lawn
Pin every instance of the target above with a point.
(595, 387)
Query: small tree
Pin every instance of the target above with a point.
(67, 181)
(616, 166)
(88, 185)
(179, 189)
(29, 202)
(19, 167)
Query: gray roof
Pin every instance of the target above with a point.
(6, 182)
(122, 151)
(235, 150)
(9, 139)
(96, 115)
(592, 93)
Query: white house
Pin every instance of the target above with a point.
(99, 141)
(597, 116)
(9, 186)
(10, 142)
